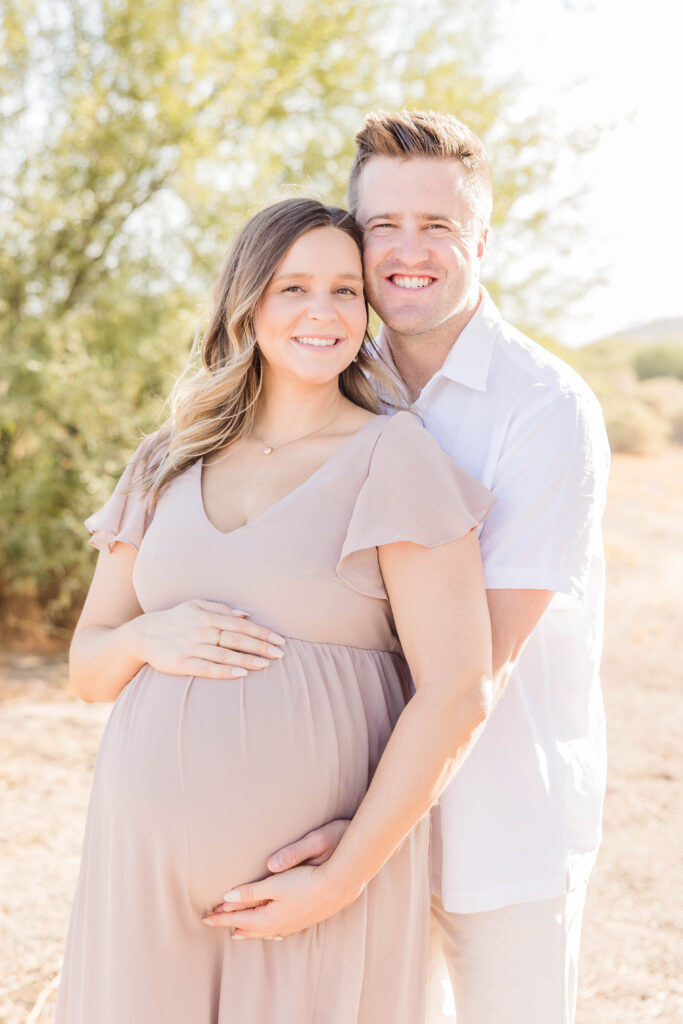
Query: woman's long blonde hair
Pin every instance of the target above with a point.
(213, 402)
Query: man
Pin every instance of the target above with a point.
(518, 829)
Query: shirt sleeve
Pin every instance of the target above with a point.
(124, 517)
(413, 492)
(551, 483)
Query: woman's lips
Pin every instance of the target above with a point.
(316, 341)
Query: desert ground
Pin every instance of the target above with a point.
(632, 930)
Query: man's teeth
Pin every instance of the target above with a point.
(318, 342)
(412, 282)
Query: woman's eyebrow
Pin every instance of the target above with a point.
(305, 276)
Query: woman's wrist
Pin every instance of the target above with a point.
(134, 638)
(343, 880)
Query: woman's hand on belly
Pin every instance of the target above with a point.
(281, 904)
(206, 639)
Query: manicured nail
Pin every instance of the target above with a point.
(236, 937)
(276, 652)
(210, 923)
(244, 615)
(262, 662)
(275, 638)
(232, 897)
(240, 672)
(276, 862)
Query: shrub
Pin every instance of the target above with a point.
(659, 361)
(634, 426)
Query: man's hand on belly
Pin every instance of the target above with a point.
(314, 848)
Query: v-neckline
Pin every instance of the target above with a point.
(285, 497)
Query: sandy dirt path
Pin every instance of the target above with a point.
(632, 939)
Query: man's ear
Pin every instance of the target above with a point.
(481, 245)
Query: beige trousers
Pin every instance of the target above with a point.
(516, 965)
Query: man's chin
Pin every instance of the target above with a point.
(406, 323)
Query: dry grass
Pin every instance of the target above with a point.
(630, 961)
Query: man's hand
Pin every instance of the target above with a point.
(314, 848)
(281, 904)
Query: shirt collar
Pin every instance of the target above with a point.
(469, 359)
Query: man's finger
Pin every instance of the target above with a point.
(230, 908)
(311, 845)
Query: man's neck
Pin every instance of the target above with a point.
(417, 357)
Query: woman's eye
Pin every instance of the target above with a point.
(346, 291)
(293, 288)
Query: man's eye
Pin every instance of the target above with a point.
(438, 227)
(346, 291)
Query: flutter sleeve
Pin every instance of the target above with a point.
(413, 492)
(124, 518)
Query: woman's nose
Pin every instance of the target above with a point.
(321, 308)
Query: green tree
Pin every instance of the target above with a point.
(134, 136)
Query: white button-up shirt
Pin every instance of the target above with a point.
(522, 819)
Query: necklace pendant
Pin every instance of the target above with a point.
(268, 451)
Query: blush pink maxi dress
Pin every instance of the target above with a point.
(198, 780)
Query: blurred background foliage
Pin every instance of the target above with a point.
(135, 135)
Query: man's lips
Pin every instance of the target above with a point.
(411, 282)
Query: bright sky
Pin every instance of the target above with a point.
(616, 63)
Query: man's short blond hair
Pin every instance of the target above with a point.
(424, 133)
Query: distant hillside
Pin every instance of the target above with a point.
(658, 332)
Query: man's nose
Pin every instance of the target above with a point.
(409, 246)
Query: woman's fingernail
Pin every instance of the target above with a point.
(276, 862)
(275, 638)
(210, 923)
(240, 672)
(245, 615)
(276, 652)
(231, 897)
(236, 937)
(261, 662)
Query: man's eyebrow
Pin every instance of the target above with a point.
(384, 216)
(307, 277)
(420, 216)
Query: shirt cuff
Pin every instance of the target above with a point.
(496, 578)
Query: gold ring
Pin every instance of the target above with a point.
(218, 641)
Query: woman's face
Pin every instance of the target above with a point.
(311, 320)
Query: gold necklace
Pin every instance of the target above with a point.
(268, 449)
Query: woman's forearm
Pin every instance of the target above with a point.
(429, 743)
(104, 659)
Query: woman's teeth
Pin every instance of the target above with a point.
(412, 282)
(318, 342)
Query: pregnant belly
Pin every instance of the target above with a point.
(208, 777)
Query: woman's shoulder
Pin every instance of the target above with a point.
(404, 427)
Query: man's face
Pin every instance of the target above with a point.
(423, 244)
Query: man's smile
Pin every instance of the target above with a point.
(411, 281)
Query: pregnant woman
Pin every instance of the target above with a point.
(276, 492)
